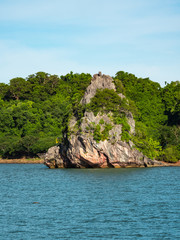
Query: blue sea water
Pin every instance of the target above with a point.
(41, 203)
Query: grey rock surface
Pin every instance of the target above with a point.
(80, 150)
(53, 158)
(98, 81)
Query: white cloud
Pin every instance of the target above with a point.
(88, 12)
(21, 62)
(69, 9)
(102, 35)
(18, 61)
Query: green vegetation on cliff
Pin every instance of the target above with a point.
(108, 101)
(36, 110)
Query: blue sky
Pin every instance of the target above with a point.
(141, 37)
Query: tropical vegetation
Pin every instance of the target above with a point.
(35, 111)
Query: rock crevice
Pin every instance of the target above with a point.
(82, 150)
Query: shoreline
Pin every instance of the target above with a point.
(41, 161)
(22, 161)
(177, 164)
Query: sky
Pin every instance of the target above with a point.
(57, 36)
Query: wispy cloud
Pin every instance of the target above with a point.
(142, 37)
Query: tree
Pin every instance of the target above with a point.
(146, 95)
(18, 88)
(171, 99)
(4, 91)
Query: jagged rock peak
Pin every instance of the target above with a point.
(96, 141)
(99, 81)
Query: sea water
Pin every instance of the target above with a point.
(41, 203)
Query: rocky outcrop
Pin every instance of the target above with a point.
(82, 150)
(53, 159)
(98, 81)
(84, 153)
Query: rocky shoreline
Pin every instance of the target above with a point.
(41, 161)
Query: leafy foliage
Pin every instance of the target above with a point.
(170, 154)
(119, 86)
(36, 110)
(99, 135)
(106, 100)
(171, 98)
(146, 144)
(147, 97)
(156, 109)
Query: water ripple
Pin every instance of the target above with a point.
(38, 203)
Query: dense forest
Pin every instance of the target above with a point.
(34, 112)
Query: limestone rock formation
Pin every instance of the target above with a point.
(82, 150)
(98, 81)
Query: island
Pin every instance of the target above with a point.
(83, 121)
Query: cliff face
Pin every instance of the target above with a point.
(83, 150)
(98, 81)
